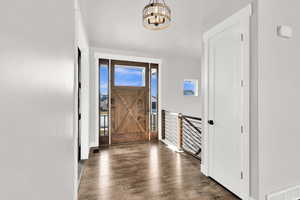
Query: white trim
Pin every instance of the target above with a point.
(164, 141)
(94, 144)
(159, 100)
(75, 125)
(127, 58)
(100, 55)
(149, 99)
(84, 103)
(82, 43)
(172, 113)
(80, 175)
(245, 12)
(109, 106)
(204, 85)
(204, 170)
(171, 146)
(290, 193)
(246, 103)
(242, 16)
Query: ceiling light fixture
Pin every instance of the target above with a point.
(156, 15)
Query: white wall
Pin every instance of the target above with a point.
(36, 82)
(279, 97)
(83, 44)
(174, 70)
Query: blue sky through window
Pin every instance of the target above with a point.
(103, 79)
(129, 76)
(154, 84)
(154, 90)
(189, 87)
(126, 76)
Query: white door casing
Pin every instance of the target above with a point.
(226, 102)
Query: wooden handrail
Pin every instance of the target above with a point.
(190, 117)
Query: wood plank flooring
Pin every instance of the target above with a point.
(146, 171)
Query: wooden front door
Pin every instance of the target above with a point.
(129, 102)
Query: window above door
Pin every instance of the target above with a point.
(130, 76)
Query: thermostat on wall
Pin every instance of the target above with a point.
(285, 31)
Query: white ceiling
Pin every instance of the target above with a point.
(117, 24)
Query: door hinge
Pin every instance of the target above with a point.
(79, 85)
(242, 37)
(79, 116)
(242, 175)
(242, 83)
(242, 129)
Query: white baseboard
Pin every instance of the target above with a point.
(171, 146)
(93, 145)
(165, 142)
(204, 170)
(88, 155)
(291, 193)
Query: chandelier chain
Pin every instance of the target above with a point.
(157, 1)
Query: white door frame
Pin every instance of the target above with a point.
(108, 56)
(242, 16)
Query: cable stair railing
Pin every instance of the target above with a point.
(182, 132)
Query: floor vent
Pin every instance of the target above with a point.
(288, 194)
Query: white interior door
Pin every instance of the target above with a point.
(225, 108)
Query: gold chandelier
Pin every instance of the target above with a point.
(156, 15)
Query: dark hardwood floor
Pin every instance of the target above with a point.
(148, 171)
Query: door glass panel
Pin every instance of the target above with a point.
(103, 95)
(154, 98)
(129, 76)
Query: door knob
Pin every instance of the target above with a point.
(211, 122)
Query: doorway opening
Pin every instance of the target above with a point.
(128, 101)
(226, 103)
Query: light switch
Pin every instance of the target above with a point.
(285, 31)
